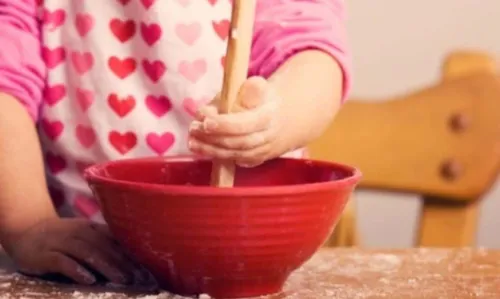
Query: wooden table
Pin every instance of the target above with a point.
(334, 274)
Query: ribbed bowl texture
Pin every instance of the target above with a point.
(235, 242)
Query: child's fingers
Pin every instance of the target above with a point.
(203, 112)
(57, 262)
(244, 157)
(251, 95)
(232, 142)
(248, 113)
(87, 255)
(100, 228)
(101, 239)
(245, 122)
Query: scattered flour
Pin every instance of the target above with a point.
(338, 274)
(4, 285)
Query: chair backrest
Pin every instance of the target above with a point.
(442, 142)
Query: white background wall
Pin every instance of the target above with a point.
(398, 46)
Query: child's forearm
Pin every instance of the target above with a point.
(310, 84)
(24, 200)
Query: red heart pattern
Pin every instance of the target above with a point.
(122, 143)
(55, 163)
(150, 71)
(122, 30)
(150, 33)
(154, 69)
(122, 68)
(221, 28)
(148, 3)
(121, 107)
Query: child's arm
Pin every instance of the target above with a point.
(301, 47)
(30, 230)
(24, 199)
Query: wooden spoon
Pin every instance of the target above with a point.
(235, 73)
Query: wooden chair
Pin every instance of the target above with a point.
(442, 143)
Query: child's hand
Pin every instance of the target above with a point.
(250, 135)
(73, 248)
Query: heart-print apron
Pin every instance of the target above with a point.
(124, 79)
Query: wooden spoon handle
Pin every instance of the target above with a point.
(235, 73)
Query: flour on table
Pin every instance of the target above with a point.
(338, 274)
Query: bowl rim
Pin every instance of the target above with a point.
(92, 176)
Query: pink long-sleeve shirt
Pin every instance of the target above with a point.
(109, 79)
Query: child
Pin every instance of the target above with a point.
(85, 81)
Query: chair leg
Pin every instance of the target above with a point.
(345, 233)
(445, 223)
(453, 223)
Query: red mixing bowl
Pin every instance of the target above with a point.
(225, 242)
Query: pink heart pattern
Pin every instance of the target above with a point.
(159, 106)
(53, 19)
(148, 3)
(85, 135)
(84, 23)
(52, 129)
(150, 33)
(194, 70)
(160, 143)
(82, 61)
(53, 57)
(54, 94)
(85, 98)
(188, 33)
(154, 69)
(122, 98)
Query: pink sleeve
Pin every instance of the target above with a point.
(22, 71)
(285, 27)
